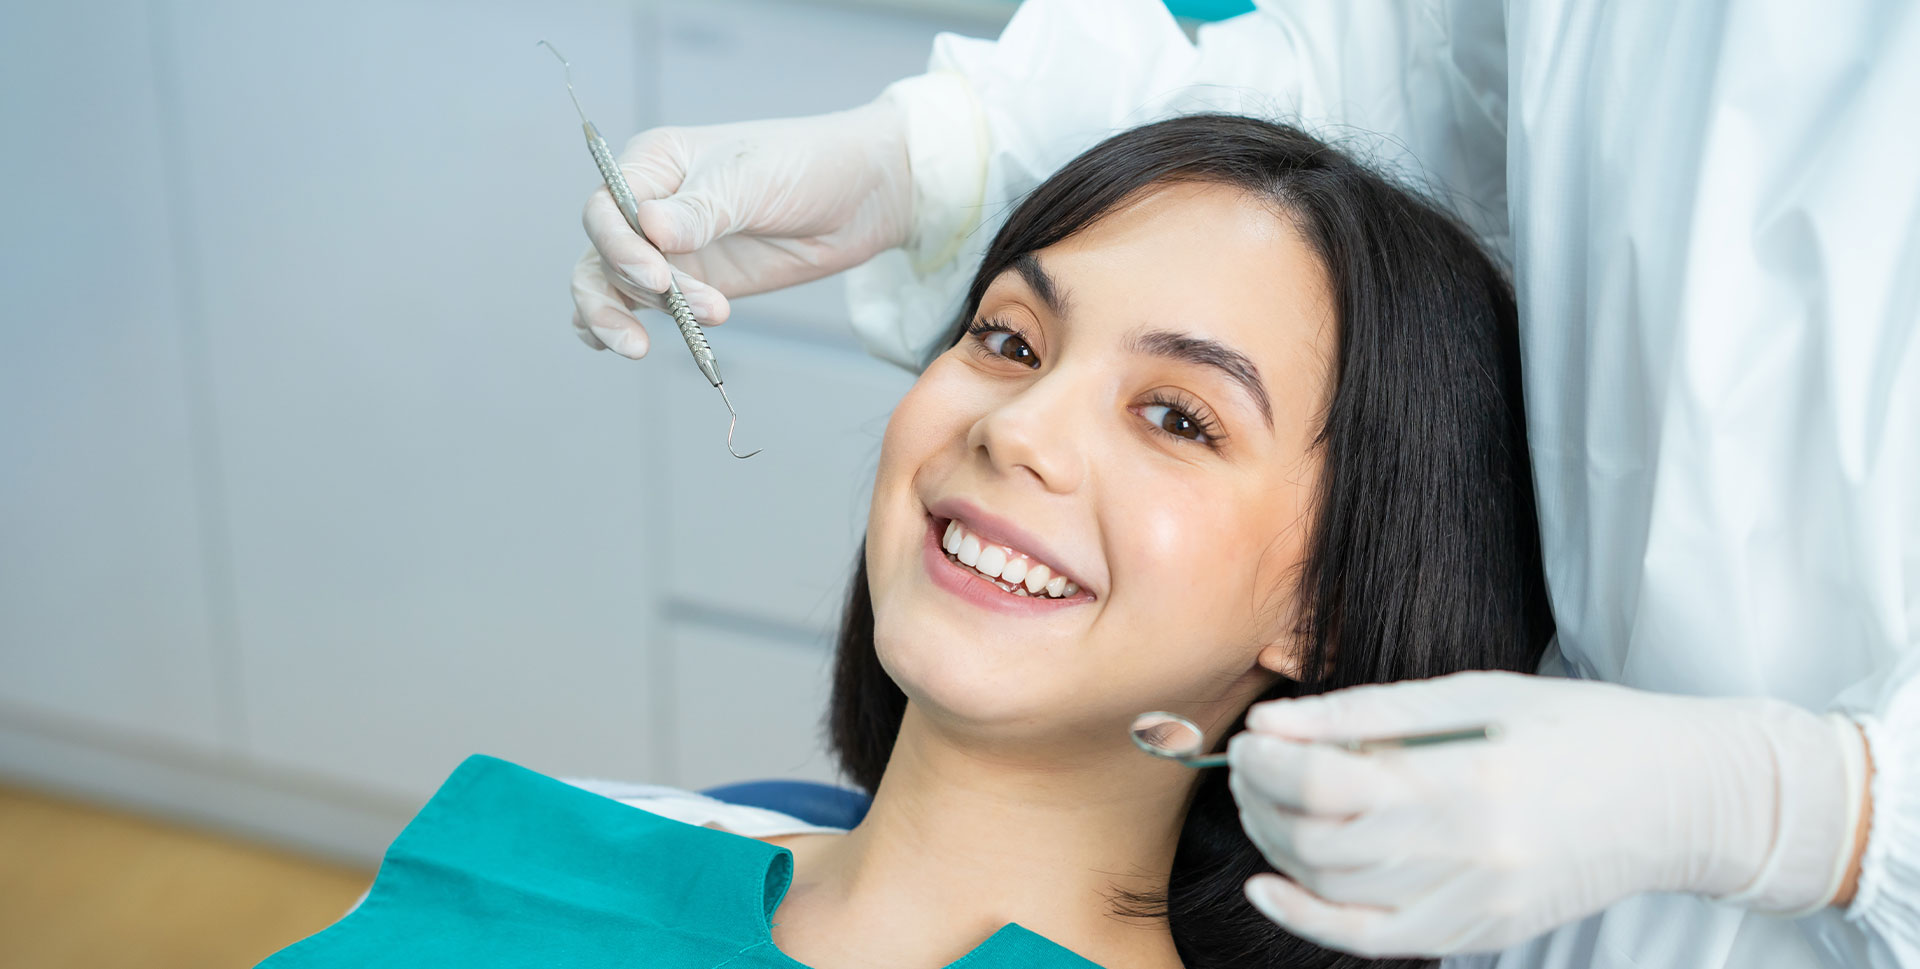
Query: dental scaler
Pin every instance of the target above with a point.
(676, 304)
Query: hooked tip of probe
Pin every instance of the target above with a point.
(735, 419)
(568, 67)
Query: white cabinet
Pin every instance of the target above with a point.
(105, 575)
(425, 476)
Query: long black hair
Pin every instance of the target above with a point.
(1423, 555)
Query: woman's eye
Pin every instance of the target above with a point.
(1003, 344)
(1174, 421)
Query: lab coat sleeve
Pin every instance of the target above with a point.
(1880, 929)
(1418, 87)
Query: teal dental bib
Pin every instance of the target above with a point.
(508, 867)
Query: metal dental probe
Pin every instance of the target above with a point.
(676, 304)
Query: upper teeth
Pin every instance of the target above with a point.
(1013, 570)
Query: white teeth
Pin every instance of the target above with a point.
(993, 558)
(1010, 569)
(1015, 571)
(1037, 576)
(969, 551)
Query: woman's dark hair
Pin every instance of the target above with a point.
(1423, 556)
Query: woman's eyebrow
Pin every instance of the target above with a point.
(1028, 266)
(1188, 348)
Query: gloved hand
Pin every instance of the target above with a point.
(1593, 792)
(744, 208)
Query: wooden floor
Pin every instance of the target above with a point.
(81, 886)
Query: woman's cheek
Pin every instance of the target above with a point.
(922, 425)
(1179, 550)
(912, 432)
(931, 412)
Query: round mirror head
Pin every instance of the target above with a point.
(1167, 735)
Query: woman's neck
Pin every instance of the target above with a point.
(960, 842)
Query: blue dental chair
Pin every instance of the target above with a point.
(810, 801)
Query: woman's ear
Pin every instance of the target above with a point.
(1281, 658)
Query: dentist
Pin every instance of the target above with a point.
(1713, 215)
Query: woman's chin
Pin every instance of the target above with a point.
(972, 682)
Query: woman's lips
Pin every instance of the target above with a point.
(978, 589)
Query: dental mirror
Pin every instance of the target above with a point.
(1174, 737)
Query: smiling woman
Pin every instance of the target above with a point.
(1262, 409)
(1226, 417)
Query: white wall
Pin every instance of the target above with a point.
(307, 490)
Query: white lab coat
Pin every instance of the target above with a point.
(1713, 212)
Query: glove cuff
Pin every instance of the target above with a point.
(947, 160)
(1818, 771)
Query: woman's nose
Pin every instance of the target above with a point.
(1039, 431)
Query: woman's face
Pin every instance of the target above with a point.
(1133, 413)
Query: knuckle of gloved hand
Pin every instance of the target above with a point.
(1322, 786)
(602, 219)
(1308, 849)
(1295, 872)
(704, 211)
(1260, 829)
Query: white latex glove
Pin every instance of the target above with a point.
(1592, 793)
(743, 208)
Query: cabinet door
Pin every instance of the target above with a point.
(772, 539)
(104, 597)
(747, 704)
(761, 551)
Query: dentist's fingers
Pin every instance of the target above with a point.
(1383, 886)
(586, 335)
(1298, 842)
(640, 272)
(1348, 928)
(1356, 862)
(600, 314)
(632, 259)
(708, 306)
(603, 306)
(688, 221)
(638, 269)
(1316, 779)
